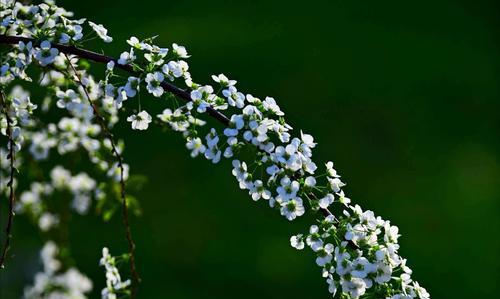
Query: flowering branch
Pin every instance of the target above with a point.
(356, 250)
(96, 57)
(10, 184)
(119, 158)
(100, 58)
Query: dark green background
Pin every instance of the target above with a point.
(403, 96)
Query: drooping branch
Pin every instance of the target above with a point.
(100, 58)
(96, 57)
(10, 183)
(119, 158)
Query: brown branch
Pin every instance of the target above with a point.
(119, 158)
(10, 184)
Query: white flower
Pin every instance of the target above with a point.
(223, 80)
(324, 255)
(47, 221)
(156, 58)
(356, 287)
(288, 189)
(335, 184)
(292, 209)
(310, 181)
(110, 65)
(391, 233)
(237, 122)
(74, 32)
(343, 199)
(383, 272)
(270, 105)
(140, 121)
(314, 239)
(48, 255)
(127, 57)
(212, 138)
(259, 191)
(234, 98)
(307, 139)
(132, 87)
(154, 83)
(239, 169)
(120, 97)
(179, 51)
(65, 97)
(195, 146)
(297, 242)
(101, 32)
(176, 120)
(326, 201)
(174, 69)
(361, 267)
(421, 292)
(134, 42)
(213, 154)
(232, 143)
(330, 171)
(332, 285)
(46, 55)
(200, 98)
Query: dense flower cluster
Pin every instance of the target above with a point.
(81, 187)
(356, 250)
(54, 283)
(114, 284)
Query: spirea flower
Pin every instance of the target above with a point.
(127, 57)
(101, 32)
(180, 51)
(140, 121)
(223, 80)
(292, 208)
(46, 55)
(195, 146)
(154, 84)
(114, 284)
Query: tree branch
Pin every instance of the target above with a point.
(10, 184)
(96, 57)
(179, 92)
(119, 158)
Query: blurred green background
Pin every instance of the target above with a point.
(404, 97)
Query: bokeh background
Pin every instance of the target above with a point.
(404, 97)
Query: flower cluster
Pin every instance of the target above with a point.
(53, 282)
(114, 284)
(80, 187)
(357, 251)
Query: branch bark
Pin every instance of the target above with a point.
(10, 184)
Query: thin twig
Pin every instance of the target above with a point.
(10, 184)
(119, 158)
